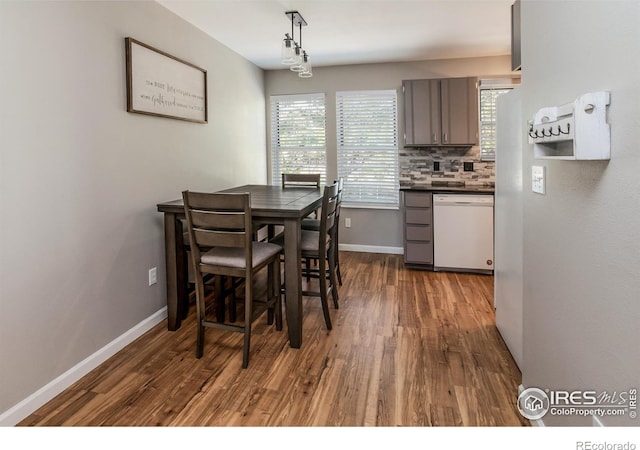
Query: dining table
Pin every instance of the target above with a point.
(270, 205)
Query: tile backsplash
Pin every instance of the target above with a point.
(416, 166)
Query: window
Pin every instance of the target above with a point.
(367, 142)
(367, 133)
(298, 140)
(488, 94)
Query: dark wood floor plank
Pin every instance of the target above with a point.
(408, 348)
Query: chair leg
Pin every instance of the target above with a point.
(232, 302)
(323, 293)
(200, 314)
(283, 277)
(338, 267)
(183, 307)
(270, 293)
(277, 294)
(218, 298)
(332, 277)
(248, 315)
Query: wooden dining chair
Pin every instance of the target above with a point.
(290, 180)
(314, 225)
(318, 246)
(220, 232)
(308, 180)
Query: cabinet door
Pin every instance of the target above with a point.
(422, 124)
(459, 111)
(417, 199)
(419, 253)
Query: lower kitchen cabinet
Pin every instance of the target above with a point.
(418, 228)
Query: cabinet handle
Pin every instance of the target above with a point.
(434, 138)
(444, 138)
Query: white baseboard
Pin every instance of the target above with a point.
(371, 249)
(39, 398)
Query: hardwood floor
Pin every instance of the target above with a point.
(408, 347)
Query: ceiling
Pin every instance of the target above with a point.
(355, 31)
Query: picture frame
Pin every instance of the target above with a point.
(161, 85)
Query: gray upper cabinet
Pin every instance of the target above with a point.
(441, 112)
(516, 61)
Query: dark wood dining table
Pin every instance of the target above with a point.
(273, 205)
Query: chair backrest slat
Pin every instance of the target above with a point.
(222, 220)
(215, 238)
(216, 201)
(301, 180)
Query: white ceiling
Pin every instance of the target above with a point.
(355, 31)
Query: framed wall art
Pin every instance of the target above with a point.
(159, 84)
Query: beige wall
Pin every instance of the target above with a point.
(80, 177)
(374, 228)
(582, 239)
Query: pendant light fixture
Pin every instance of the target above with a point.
(306, 67)
(292, 54)
(287, 50)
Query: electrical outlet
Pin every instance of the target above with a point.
(347, 222)
(153, 276)
(436, 166)
(468, 166)
(537, 179)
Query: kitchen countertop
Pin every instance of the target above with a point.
(450, 187)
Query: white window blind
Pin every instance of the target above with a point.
(488, 96)
(367, 132)
(298, 139)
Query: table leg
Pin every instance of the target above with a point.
(174, 268)
(293, 281)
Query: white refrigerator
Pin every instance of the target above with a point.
(508, 274)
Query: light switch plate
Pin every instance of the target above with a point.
(538, 179)
(153, 276)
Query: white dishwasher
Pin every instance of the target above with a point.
(463, 232)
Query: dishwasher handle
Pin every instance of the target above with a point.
(462, 200)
